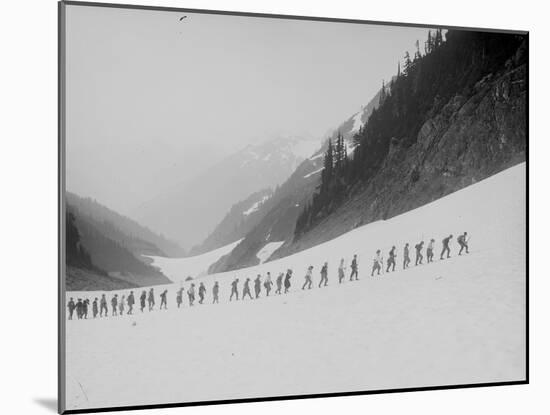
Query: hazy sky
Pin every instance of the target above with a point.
(152, 101)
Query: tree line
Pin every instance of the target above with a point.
(449, 64)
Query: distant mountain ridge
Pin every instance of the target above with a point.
(137, 238)
(191, 211)
(81, 272)
(276, 219)
(104, 251)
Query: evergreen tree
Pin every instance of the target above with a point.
(326, 175)
(417, 54)
(408, 63)
(429, 43)
(438, 39)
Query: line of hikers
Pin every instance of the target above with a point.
(118, 306)
(282, 280)
(378, 260)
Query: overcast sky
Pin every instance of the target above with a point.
(152, 101)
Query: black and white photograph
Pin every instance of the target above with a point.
(258, 207)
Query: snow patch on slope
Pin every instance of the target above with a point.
(318, 156)
(357, 122)
(255, 206)
(177, 269)
(264, 253)
(313, 172)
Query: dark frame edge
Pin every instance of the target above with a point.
(293, 397)
(284, 16)
(527, 370)
(61, 381)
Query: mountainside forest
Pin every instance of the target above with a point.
(454, 115)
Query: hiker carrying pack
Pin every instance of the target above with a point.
(354, 269)
(419, 257)
(446, 248)
(376, 263)
(463, 242)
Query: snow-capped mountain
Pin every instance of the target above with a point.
(189, 212)
(275, 219)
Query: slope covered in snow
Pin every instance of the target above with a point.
(195, 266)
(264, 253)
(456, 321)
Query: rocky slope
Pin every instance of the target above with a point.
(241, 218)
(477, 130)
(474, 135)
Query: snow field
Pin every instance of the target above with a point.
(461, 320)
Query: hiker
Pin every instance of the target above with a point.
(179, 297)
(103, 306)
(430, 251)
(202, 292)
(341, 271)
(463, 242)
(324, 275)
(191, 295)
(79, 306)
(406, 258)
(287, 280)
(354, 271)
(114, 302)
(308, 281)
(79, 309)
(267, 284)
(446, 247)
(215, 292)
(131, 301)
(418, 247)
(279, 282)
(246, 289)
(142, 299)
(151, 299)
(71, 306)
(234, 291)
(163, 300)
(376, 264)
(257, 286)
(121, 306)
(391, 260)
(94, 307)
(85, 305)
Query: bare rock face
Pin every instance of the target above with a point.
(471, 137)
